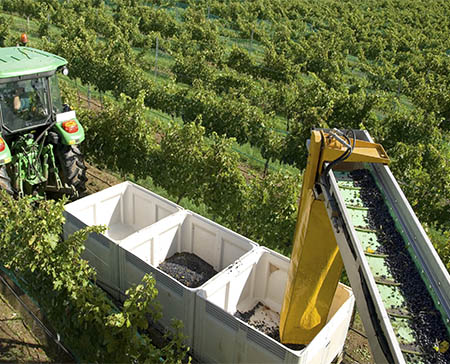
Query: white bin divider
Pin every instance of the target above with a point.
(214, 243)
(129, 211)
(184, 231)
(224, 289)
(87, 208)
(152, 244)
(221, 337)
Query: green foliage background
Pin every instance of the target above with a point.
(50, 270)
(262, 72)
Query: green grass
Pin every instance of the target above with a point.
(19, 26)
(164, 61)
(248, 154)
(253, 158)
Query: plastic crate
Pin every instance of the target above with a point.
(182, 232)
(261, 277)
(126, 209)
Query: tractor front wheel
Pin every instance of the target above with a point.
(72, 169)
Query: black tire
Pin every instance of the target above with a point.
(72, 170)
(5, 181)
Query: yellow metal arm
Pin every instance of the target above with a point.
(362, 151)
(316, 264)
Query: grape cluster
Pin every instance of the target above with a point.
(426, 320)
(188, 269)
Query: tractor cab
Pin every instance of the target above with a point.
(28, 100)
(38, 133)
(28, 104)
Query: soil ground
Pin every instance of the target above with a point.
(356, 347)
(18, 344)
(98, 179)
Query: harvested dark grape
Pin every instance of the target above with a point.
(265, 320)
(426, 321)
(188, 269)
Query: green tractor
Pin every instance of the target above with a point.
(39, 136)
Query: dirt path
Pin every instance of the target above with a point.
(99, 180)
(356, 347)
(17, 342)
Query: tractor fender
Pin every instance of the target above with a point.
(69, 128)
(5, 153)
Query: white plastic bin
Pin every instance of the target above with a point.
(182, 232)
(220, 337)
(125, 209)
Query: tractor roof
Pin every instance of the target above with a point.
(20, 61)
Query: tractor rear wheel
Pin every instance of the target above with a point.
(72, 169)
(5, 181)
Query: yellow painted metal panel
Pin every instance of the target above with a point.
(316, 263)
(315, 276)
(363, 152)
